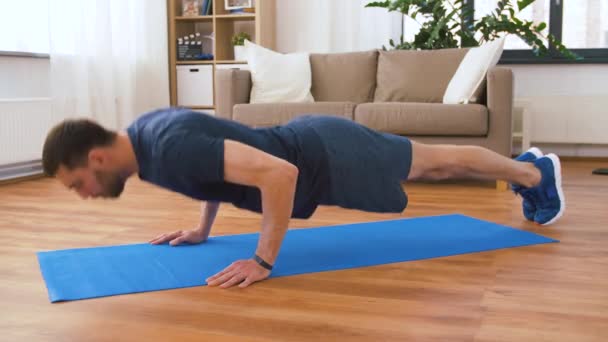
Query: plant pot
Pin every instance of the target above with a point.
(239, 53)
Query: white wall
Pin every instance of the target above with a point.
(22, 77)
(568, 105)
(25, 111)
(558, 80)
(323, 26)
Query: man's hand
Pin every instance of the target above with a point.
(190, 236)
(242, 272)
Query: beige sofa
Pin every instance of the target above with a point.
(392, 91)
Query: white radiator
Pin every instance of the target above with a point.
(24, 124)
(581, 119)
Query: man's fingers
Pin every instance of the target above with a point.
(248, 281)
(220, 277)
(233, 281)
(177, 241)
(166, 237)
(157, 238)
(242, 272)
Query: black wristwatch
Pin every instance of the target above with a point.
(262, 262)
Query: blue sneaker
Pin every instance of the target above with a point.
(529, 208)
(548, 196)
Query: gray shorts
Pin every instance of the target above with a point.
(365, 167)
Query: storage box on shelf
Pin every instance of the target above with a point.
(192, 66)
(193, 85)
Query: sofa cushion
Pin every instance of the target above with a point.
(332, 72)
(431, 119)
(278, 77)
(416, 76)
(467, 83)
(267, 115)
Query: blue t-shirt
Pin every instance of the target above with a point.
(340, 162)
(183, 151)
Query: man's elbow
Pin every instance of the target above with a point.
(289, 173)
(284, 176)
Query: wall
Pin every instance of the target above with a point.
(568, 105)
(24, 77)
(333, 26)
(25, 113)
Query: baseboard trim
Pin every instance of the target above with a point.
(18, 171)
(578, 151)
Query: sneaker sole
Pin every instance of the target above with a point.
(536, 152)
(557, 169)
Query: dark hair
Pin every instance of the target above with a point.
(69, 143)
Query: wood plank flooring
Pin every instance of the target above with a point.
(553, 292)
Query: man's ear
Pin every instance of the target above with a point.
(97, 157)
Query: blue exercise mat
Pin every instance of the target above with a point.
(104, 271)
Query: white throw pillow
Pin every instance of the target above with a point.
(472, 72)
(278, 77)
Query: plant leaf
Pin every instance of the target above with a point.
(383, 4)
(452, 24)
(541, 27)
(521, 4)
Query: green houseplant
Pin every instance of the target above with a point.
(238, 42)
(445, 27)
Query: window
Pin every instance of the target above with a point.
(581, 25)
(537, 12)
(24, 26)
(585, 24)
(411, 27)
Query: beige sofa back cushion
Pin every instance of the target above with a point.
(344, 76)
(416, 76)
(272, 114)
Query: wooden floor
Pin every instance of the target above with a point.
(553, 292)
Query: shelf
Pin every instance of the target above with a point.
(194, 62)
(210, 62)
(235, 16)
(230, 62)
(219, 16)
(196, 18)
(258, 22)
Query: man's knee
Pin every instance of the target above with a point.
(435, 162)
(425, 162)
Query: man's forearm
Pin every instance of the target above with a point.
(208, 212)
(277, 205)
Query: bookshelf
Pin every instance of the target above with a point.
(258, 22)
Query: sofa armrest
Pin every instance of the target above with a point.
(500, 109)
(232, 86)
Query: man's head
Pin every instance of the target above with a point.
(80, 153)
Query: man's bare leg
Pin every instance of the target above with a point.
(439, 162)
(544, 201)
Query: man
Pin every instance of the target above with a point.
(281, 172)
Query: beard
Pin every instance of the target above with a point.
(112, 184)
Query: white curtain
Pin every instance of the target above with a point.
(334, 26)
(24, 28)
(109, 59)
